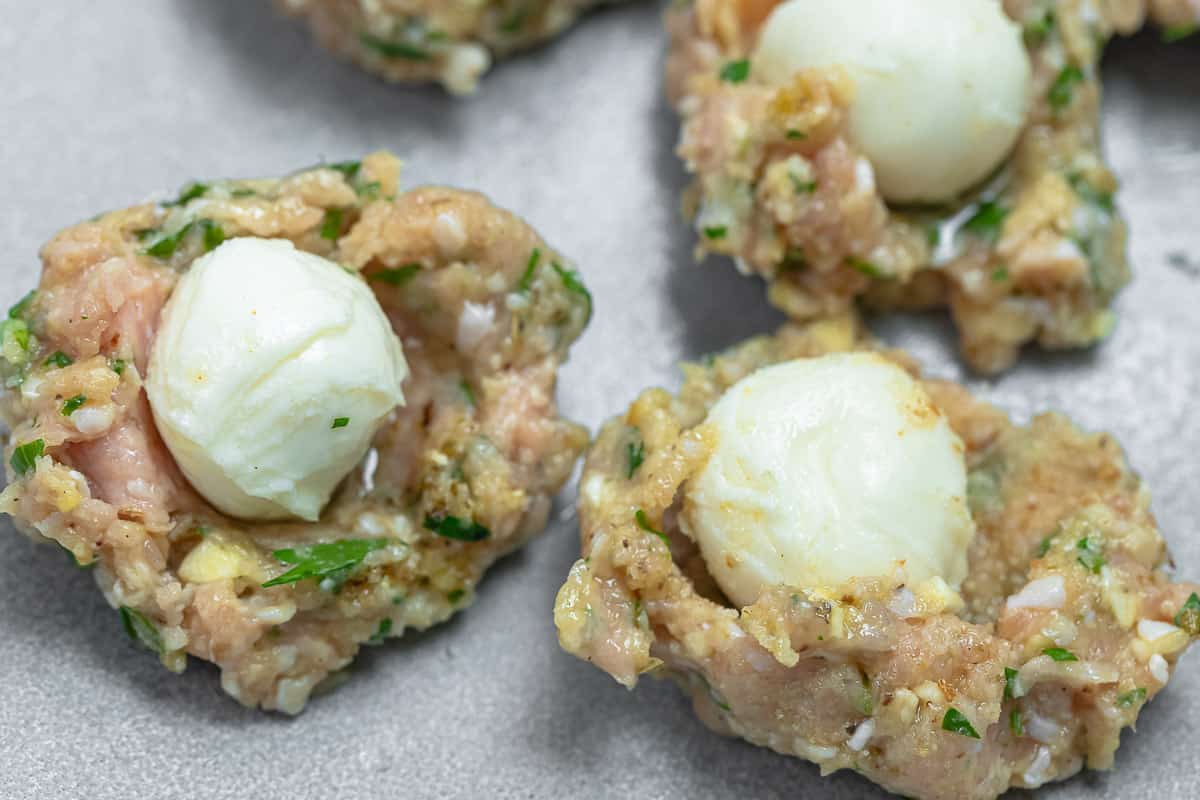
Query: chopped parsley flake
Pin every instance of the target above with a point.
(369, 190)
(1174, 33)
(956, 722)
(643, 522)
(214, 234)
(735, 71)
(1062, 91)
(389, 49)
(349, 169)
(1040, 29)
(339, 422)
(59, 359)
(190, 193)
(1131, 698)
(1000, 274)
(987, 220)
(166, 246)
(329, 561)
(1188, 617)
(571, 280)
(19, 308)
(385, 627)
(467, 392)
(454, 528)
(331, 226)
(73, 404)
(635, 453)
(796, 135)
(865, 267)
(397, 276)
(1010, 683)
(1059, 654)
(455, 596)
(117, 365)
(715, 232)
(1015, 723)
(1044, 546)
(803, 187)
(141, 629)
(530, 268)
(24, 457)
(1090, 556)
(515, 21)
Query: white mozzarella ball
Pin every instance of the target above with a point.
(271, 371)
(941, 86)
(827, 469)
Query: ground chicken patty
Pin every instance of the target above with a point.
(1065, 627)
(451, 42)
(461, 475)
(1036, 254)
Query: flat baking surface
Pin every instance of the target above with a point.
(117, 102)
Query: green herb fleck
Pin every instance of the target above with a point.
(1015, 723)
(987, 219)
(1131, 698)
(643, 522)
(387, 49)
(467, 392)
(385, 627)
(803, 187)
(1010, 683)
(1059, 654)
(454, 528)
(331, 227)
(736, 71)
(530, 268)
(24, 457)
(515, 21)
(455, 596)
(1090, 555)
(339, 422)
(117, 365)
(141, 629)
(1188, 617)
(796, 135)
(190, 193)
(956, 722)
(571, 280)
(165, 247)
(635, 454)
(865, 267)
(19, 308)
(214, 234)
(349, 169)
(73, 404)
(1000, 274)
(397, 276)
(1174, 33)
(59, 359)
(1062, 91)
(1044, 547)
(1090, 194)
(715, 231)
(369, 190)
(1040, 29)
(332, 562)
(242, 192)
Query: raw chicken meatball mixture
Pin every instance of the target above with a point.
(459, 475)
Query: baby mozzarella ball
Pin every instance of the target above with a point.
(941, 86)
(828, 469)
(271, 371)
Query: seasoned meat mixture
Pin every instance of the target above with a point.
(452, 42)
(1036, 254)
(461, 475)
(1065, 627)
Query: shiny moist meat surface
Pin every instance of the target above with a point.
(1035, 254)
(1067, 624)
(461, 475)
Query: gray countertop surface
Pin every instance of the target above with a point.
(112, 102)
